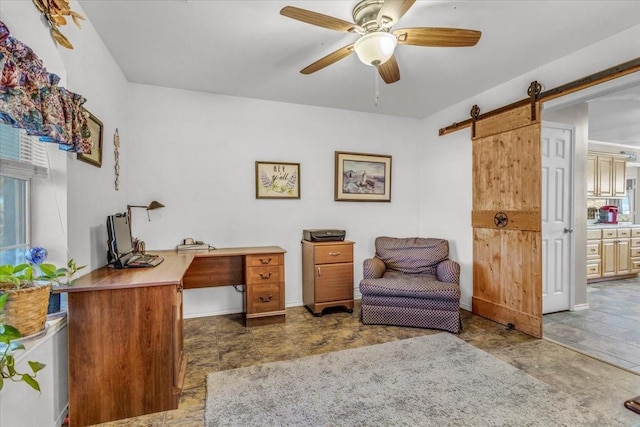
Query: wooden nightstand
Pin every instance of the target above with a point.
(327, 275)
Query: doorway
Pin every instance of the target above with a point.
(603, 320)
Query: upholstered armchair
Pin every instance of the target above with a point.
(411, 282)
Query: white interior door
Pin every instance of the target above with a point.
(557, 217)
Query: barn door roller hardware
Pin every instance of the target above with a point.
(574, 86)
(534, 91)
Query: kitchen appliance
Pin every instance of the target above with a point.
(609, 214)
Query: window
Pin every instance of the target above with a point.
(21, 158)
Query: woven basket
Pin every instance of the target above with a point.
(26, 308)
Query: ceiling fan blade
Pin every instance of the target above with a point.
(437, 37)
(392, 10)
(389, 71)
(315, 18)
(328, 60)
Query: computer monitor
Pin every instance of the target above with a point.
(120, 241)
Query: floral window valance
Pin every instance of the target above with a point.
(31, 99)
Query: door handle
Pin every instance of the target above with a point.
(568, 230)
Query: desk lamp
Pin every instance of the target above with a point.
(139, 244)
(153, 205)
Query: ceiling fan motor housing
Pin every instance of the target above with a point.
(365, 14)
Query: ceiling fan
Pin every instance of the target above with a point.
(373, 21)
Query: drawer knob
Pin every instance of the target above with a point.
(265, 276)
(265, 262)
(334, 253)
(265, 299)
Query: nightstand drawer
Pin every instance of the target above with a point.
(264, 260)
(331, 254)
(259, 275)
(263, 298)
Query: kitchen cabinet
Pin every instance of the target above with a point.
(327, 275)
(635, 250)
(612, 252)
(594, 254)
(606, 174)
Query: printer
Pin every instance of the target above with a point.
(323, 235)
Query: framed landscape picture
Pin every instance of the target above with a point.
(362, 177)
(277, 180)
(95, 157)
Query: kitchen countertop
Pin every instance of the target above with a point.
(618, 225)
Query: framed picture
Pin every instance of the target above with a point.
(362, 177)
(277, 180)
(95, 157)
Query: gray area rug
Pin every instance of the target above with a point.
(434, 380)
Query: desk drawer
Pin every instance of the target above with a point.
(263, 298)
(258, 275)
(264, 260)
(331, 254)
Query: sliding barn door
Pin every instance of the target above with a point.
(507, 260)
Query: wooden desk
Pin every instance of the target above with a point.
(261, 269)
(125, 327)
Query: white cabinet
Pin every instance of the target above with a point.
(20, 405)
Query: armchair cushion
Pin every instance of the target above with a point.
(412, 255)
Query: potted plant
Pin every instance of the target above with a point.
(28, 287)
(8, 335)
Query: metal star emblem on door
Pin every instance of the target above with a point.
(501, 220)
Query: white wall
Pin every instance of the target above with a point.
(196, 153)
(72, 204)
(447, 159)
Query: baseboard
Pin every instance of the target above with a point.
(580, 307)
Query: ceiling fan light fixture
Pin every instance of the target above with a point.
(375, 48)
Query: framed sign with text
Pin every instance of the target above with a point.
(277, 180)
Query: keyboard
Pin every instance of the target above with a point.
(143, 261)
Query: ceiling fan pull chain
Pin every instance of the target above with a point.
(377, 85)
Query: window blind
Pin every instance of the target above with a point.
(22, 155)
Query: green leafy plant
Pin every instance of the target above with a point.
(16, 277)
(8, 345)
(22, 275)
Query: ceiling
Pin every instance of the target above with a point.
(615, 118)
(247, 49)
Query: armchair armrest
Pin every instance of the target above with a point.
(373, 268)
(448, 271)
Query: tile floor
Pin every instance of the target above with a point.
(221, 342)
(609, 329)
